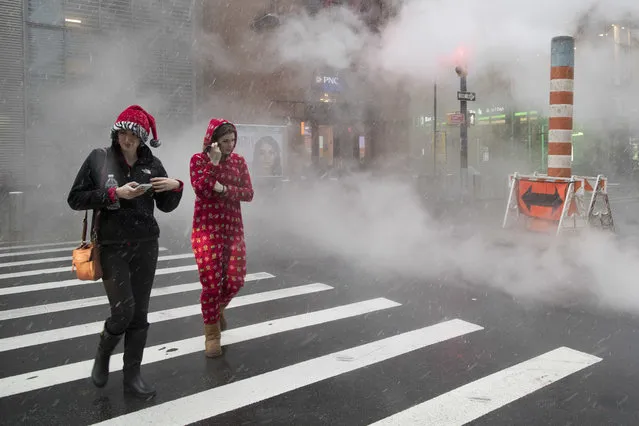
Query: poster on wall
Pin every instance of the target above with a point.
(263, 147)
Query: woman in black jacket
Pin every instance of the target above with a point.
(128, 236)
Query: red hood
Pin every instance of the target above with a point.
(214, 124)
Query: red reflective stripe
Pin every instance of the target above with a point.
(560, 123)
(562, 172)
(561, 98)
(562, 73)
(559, 148)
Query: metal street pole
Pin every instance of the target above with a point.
(463, 134)
(463, 96)
(435, 129)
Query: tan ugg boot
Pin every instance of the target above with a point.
(212, 343)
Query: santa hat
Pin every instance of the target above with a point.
(213, 125)
(140, 122)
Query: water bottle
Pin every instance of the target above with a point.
(112, 183)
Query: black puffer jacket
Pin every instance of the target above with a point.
(134, 220)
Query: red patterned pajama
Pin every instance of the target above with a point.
(222, 266)
(217, 238)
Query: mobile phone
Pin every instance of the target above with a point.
(146, 186)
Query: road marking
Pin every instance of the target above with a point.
(30, 252)
(101, 300)
(35, 261)
(222, 399)
(48, 336)
(66, 373)
(23, 246)
(68, 249)
(69, 259)
(68, 268)
(469, 402)
(71, 283)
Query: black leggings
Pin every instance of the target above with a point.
(128, 272)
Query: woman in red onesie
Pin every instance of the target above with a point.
(220, 179)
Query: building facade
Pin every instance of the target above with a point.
(67, 68)
(60, 57)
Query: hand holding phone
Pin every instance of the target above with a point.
(145, 186)
(129, 191)
(215, 154)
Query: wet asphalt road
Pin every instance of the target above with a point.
(37, 389)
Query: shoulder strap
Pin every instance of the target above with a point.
(95, 220)
(84, 226)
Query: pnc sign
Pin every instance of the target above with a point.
(328, 83)
(327, 80)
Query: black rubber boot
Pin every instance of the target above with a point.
(134, 343)
(100, 372)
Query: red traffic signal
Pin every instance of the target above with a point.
(460, 60)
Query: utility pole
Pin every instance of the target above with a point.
(463, 135)
(464, 96)
(435, 129)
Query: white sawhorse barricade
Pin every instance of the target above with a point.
(586, 203)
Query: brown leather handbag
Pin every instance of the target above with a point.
(86, 258)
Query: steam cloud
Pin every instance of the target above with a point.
(376, 220)
(383, 222)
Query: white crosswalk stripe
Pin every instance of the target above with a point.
(35, 261)
(67, 249)
(68, 268)
(68, 260)
(15, 246)
(75, 282)
(55, 335)
(249, 391)
(316, 308)
(102, 300)
(485, 395)
(66, 373)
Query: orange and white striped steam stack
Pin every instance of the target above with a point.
(562, 76)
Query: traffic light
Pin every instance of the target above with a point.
(461, 71)
(460, 58)
(460, 54)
